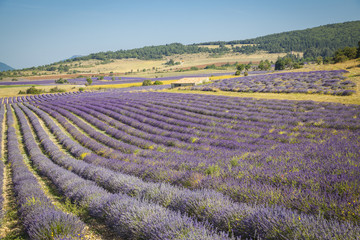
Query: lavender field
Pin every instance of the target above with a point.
(156, 165)
(315, 82)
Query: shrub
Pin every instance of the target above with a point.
(89, 81)
(212, 66)
(342, 55)
(147, 83)
(56, 89)
(213, 170)
(157, 82)
(340, 58)
(61, 81)
(81, 89)
(171, 62)
(347, 93)
(34, 90)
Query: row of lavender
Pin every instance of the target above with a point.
(223, 143)
(237, 219)
(41, 219)
(324, 82)
(2, 114)
(53, 96)
(129, 217)
(41, 97)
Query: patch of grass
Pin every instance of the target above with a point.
(18, 86)
(214, 78)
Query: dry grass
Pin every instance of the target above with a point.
(214, 78)
(227, 45)
(195, 80)
(186, 60)
(119, 66)
(352, 66)
(173, 73)
(122, 85)
(12, 91)
(153, 66)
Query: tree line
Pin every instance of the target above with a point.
(319, 41)
(151, 52)
(340, 55)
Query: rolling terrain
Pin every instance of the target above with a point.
(261, 155)
(151, 61)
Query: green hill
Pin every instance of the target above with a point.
(323, 40)
(149, 52)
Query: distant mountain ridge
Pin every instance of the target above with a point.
(72, 57)
(75, 56)
(5, 67)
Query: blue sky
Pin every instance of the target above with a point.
(39, 32)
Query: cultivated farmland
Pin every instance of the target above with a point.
(324, 82)
(158, 165)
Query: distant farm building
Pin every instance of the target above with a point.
(185, 82)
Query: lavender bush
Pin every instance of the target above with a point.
(2, 113)
(39, 216)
